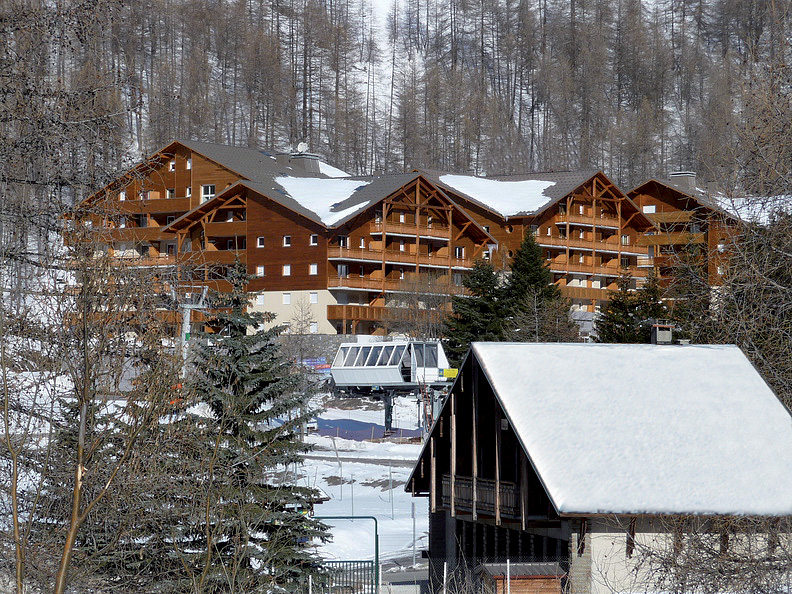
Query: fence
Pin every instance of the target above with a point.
(348, 577)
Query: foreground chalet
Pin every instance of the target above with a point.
(348, 249)
(523, 466)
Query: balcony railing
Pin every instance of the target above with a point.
(213, 257)
(634, 271)
(377, 313)
(398, 256)
(580, 219)
(485, 495)
(672, 239)
(436, 231)
(408, 285)
(583, 292)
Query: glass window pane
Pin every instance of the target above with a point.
(386, 355)
(418, 348)
(350, 360)
(372, 358)
(397, 355)
(431, 355)
(342, 353)
(361, 360)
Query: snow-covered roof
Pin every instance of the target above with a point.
(330, 171)
(646, 429)
(506, 197)
(755, 209)
(319, 195)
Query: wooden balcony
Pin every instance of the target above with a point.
(159, 205)
(679, 216)
(149, 262)
(213, 257)
(436, 231)
(226, 229)
(407, 285)
(634, 271)
(135, 234)
(583, 293)
(376, 313)
(485, 496)
(672, 239)
(397, 256)
(579, 219)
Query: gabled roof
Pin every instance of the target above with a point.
(651, 430)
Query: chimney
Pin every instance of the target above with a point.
(684, 180)
(282, 159)
(305, 162)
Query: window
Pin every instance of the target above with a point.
(230, 244)
(313, 269)
(429, 222)
(230, 216)
(625, 262)
(721, 270)
(172, 166)
(459, 252)
(343, 270)
(625, 240)
(581, 209)
(535, 230)
(486, 228)
(313, 297)
(122, 195)
(260, 270)
(169, 219)
(401, 273)
(260, 242)
(343, 241)
(287, 270)
(122, 222)
(458, 279)
(189, 163)
(549, 232)
(314, 240)
(287, 241)
(362, 243)
(260, 299)
(378, 217)
(171, 193)
(649, 209)
(314, 327)
(189, 192)
(171, 249)
(401, 217)
(721, 247)
(401, 245)
(287, 299)
(361, 272)
(207, 192)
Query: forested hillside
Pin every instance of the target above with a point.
(633, 87)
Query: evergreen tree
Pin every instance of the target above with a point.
(477, 316)
(628, 316)
(254, 534)
(533, 306)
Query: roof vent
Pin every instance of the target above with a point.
(684, 180)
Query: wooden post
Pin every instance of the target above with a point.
(433, 475)
(497, 466)
(453, 453)
(474, 441)
(523, 489)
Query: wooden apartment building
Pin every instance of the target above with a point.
(348, 249)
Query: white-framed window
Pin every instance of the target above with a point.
(401, 217)
(122, 195)
(429, 222)
(625, 240)
(170, 248)
(649, 209)
(230, 244)
(171, 193)
(230, 216)
(260, 270)
(343, 270)
(313, 269)
(549, 232)
(169, 219)
(189, 163)
(401, 273)
(313, 297)
(260, 242)
(122, 222)
(314, 327)
(721, 247)
(287, 270)
(721, 270)
(207, 192)
(287, 241)
(625, 261)
(581, 209)
(314, 240)
(362, 243)
(260, 299)
(343, 241)
(459, 252)
(458, 279)
(172, 166)
(535, 230)
(401, 245)
(287, 299)
(189, 192)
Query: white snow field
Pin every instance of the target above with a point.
(365, 478)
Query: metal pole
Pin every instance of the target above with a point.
(508, 576)
(376, 540)
(413, 519)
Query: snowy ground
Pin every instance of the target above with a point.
(367, 478)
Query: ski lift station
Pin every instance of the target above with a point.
(397, 365)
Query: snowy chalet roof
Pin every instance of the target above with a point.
(513, 195)
(646, 429)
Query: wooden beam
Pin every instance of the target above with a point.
(462, 231)
(453, 452)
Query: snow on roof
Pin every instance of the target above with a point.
(330, 171)
(646, 429)
(754, 209)
(320, 195)
(507, 197)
